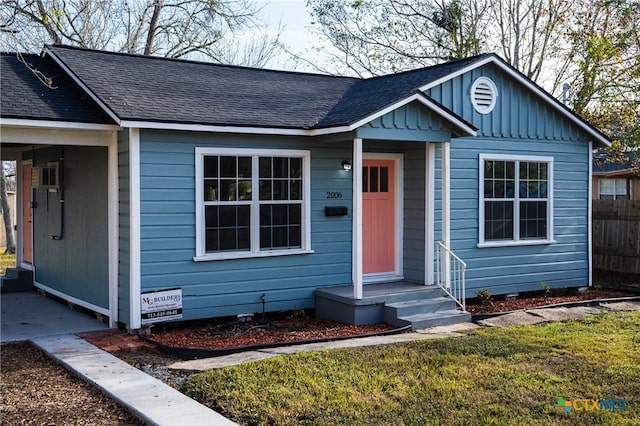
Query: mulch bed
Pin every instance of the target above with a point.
(251, 333)
(539, 299)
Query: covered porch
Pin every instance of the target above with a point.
(403, 271)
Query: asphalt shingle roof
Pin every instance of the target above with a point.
(23, 95)
(607, 163)
(143, 88)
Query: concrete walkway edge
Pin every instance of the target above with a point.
(149, 399)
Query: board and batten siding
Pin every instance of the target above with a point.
(520, 125)
(230, 287)
(71, 248)
(124, 258)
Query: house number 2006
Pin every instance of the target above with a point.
(334, 194)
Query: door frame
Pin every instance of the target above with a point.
(20, 218)
(398, 272)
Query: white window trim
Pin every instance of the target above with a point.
(201, 254)
(615, 194)
(516, 234)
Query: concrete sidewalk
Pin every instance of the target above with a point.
(147, 398)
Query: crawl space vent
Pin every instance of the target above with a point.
(483, 95)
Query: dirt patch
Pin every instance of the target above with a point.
(37, 391)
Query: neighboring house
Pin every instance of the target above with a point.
(616, 177)
(244, 188)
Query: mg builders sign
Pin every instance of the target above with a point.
(163, 305)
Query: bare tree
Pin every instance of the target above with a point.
(531, 33)
(381, 36)
(171, 28)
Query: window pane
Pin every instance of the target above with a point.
(234, 231)
(244, 167)
(228, 167)
(211, 216)
(211, 167)
(244, 190)
(533, 180)
(211, 190)
(211, 240)
(295, 167)
(384, 179)
(295, 214)
(280, 226)
(498, 220)
(280, 167)
(265, 167)
(265, 189)
(280, 190)
(295, 236)
(373, 179)
(228, 190)
(533, 219)
(295, 191)
(365, 179)
(227, 228)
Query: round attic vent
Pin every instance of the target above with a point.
(483, 95)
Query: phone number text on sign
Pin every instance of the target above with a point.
(164, 305)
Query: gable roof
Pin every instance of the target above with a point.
(600, 138)
(25, 97)
(149, 91)
(152, 92)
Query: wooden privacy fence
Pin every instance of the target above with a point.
(616, 235)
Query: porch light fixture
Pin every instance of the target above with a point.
(346, 165)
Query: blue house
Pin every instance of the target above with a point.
(155, 190)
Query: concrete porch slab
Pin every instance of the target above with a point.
(27, 316)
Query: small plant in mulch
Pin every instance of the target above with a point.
(484, 296)
(546, 290)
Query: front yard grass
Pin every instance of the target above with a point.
(491, 377)
(6, 260)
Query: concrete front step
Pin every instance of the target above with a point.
(419, 306)
(17, 280)
(433, 319)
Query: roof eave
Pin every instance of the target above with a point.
(47, 51)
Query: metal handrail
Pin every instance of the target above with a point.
(450, 274)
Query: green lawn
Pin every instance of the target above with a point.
(6, 260)
(491, 377)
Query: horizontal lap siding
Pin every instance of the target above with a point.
(525, 268)
(521, 124)
(230, 287)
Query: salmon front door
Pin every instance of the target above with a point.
(27, 215)
(378, 217)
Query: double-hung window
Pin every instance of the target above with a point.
(516, 204)
(613, 189)
(251, 202)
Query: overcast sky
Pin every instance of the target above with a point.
(297, 36)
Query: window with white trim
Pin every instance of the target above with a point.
(516, 202)
(251, 202)
(613, 189)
